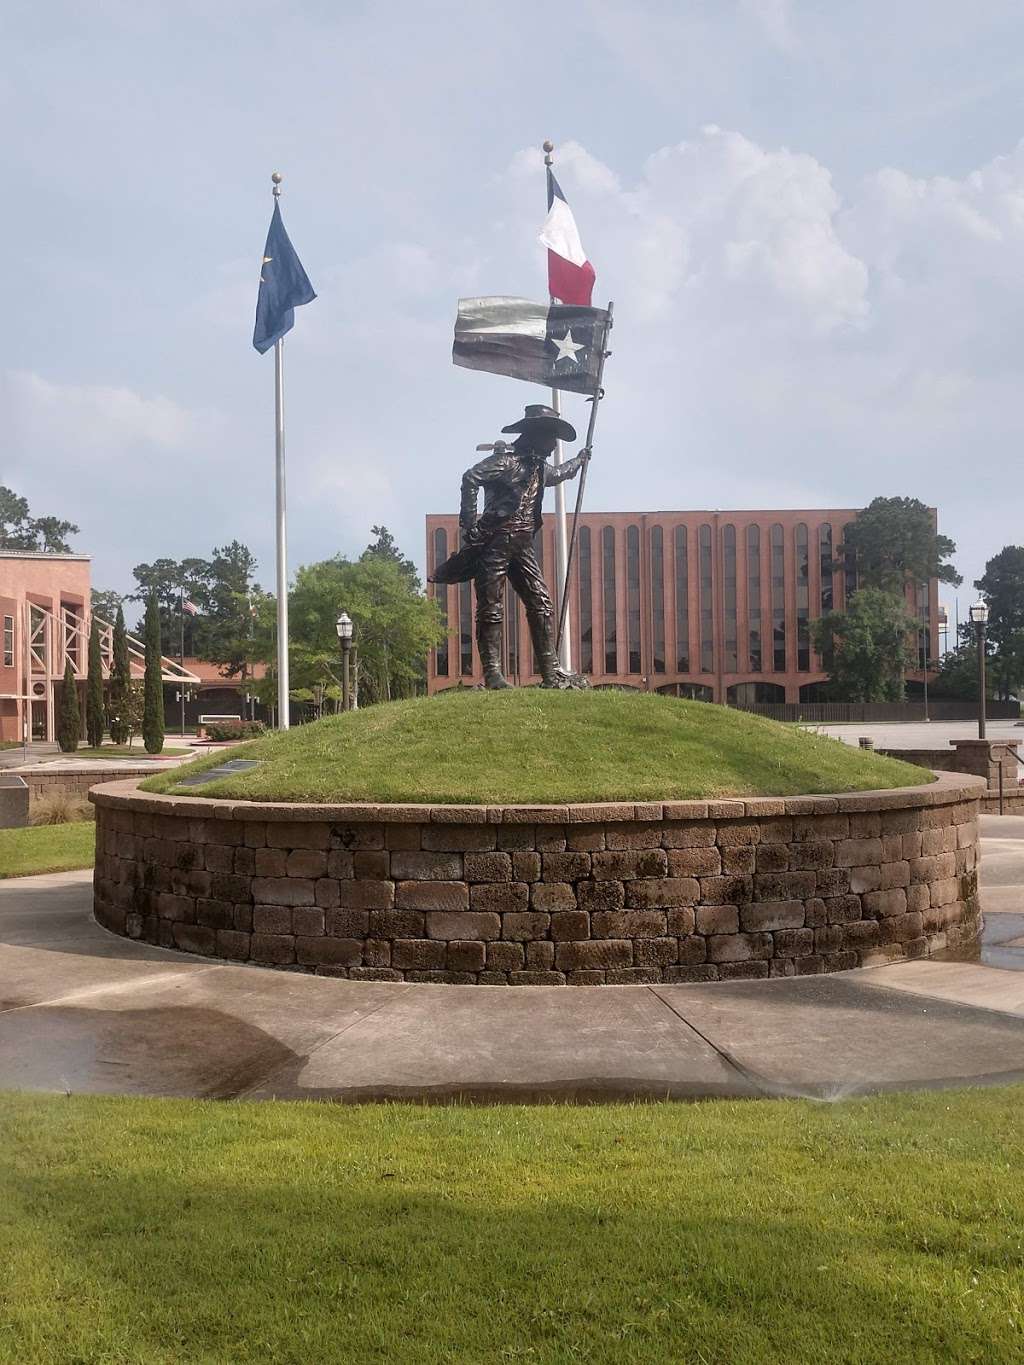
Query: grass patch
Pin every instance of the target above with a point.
(531, 745)
(144, 1231)
(122, 751)
(47, 848)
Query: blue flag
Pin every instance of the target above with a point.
(284, 285)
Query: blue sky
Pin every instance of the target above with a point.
(810, 216)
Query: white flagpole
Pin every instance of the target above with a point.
(282, 531)
(561, 526)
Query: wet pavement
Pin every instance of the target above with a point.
(82, 1010)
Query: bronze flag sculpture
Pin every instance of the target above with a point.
(498, 544)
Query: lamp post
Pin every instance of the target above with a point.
(344, 629)
(979, 619)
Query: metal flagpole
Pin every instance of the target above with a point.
(282, 534)
(181, 650)
(595, 400)
(561, 534)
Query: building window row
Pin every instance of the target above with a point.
(762, 579)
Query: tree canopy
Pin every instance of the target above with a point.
(894, 542)
(870, 646)
(384, 547)
(19, 530)
(1002, 586)
(226, 595)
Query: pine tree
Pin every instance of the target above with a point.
(69, 725)
(153, 705)
(94, 689)
(120, 681)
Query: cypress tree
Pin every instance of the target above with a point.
(94, 689)
(120, 682)
(153, 702)
(69, 724)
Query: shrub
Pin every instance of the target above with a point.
(61, 808)
(234, 729)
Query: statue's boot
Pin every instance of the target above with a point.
(488, 640)
(543, 637)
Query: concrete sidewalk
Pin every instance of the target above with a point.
(82, 1010)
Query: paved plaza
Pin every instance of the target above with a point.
(921, 734)
(82, 1010)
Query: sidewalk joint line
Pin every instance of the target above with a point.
(112, 988)
(241, 1094)
(760, 1083)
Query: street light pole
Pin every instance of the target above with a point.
(344, 629)
(979, 617)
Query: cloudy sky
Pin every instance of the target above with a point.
(810, 217)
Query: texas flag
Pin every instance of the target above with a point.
(570, 275)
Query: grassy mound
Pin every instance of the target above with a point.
(535, 746)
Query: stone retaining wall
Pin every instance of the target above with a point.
(74, 781)
(552, 895)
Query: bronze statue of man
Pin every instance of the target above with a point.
(499, 543)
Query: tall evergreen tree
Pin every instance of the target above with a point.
(153, 704)
(120, 681)
(69, 723)
(94, 689)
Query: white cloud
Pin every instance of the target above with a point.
(94, 418)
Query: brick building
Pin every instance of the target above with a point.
(45, 618)
(712, 605)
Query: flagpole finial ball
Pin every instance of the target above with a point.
(549, 147)
(277, 177)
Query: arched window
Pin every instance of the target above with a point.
(611, 652)
(633, 597)
(850, 570)
(707, 609)
(825, 559)
(682, 602)
(465, 626)
(511, 632)
(658, 599)
(778, 548)
(754, 649)
(440, 591)
(586, 604)
(803, 601)
(731, 662)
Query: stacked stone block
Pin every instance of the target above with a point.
(583, 895)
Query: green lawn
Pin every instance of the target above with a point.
(139, 1231)
(531, 745)
(47, 848)
(123, 751)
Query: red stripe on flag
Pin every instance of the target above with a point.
(570, 283)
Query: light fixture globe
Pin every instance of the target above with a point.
(979, 612)
(344, 626)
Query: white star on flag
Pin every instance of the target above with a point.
(567, 348)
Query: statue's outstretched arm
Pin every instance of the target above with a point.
(557, 473)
